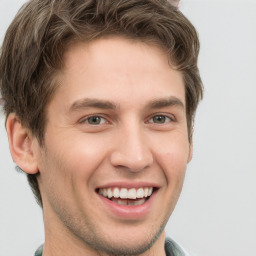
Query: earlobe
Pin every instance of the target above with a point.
(20, 143)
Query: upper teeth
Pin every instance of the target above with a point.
(125, 193)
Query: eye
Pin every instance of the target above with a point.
(160, 119)
(94, 120)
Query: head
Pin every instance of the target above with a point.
(46, 35)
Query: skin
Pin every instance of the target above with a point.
(139, 137)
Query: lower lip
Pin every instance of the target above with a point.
(132, 212)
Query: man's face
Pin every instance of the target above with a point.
(116, 146)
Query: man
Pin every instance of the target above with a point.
(100, 98)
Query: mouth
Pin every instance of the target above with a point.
(127, 196)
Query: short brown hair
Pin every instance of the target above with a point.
(36, 40)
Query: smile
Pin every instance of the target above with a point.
(125, 196)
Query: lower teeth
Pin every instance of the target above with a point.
(130, 202)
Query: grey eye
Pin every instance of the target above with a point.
(159, 119)
(95, 120)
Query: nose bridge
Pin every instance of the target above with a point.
(132, 150)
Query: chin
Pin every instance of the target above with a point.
(126, 246)
(124, 243)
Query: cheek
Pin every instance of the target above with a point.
(62, 177)
(76, 159)
(172, 156)
(86, 155)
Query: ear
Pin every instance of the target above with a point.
(20, 143)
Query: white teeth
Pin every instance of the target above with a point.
(146, 192)
(125, 193)
(140, 193)
(110, 194)
(116, 193)
(105, 192)
(132, 193)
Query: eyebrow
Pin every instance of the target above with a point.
(93, 103)
(166, 102)
(105, 104)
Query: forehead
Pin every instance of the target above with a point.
(118, 70)
(115, 50)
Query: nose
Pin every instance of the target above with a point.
(132, 151)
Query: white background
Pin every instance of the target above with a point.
(216, 214)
